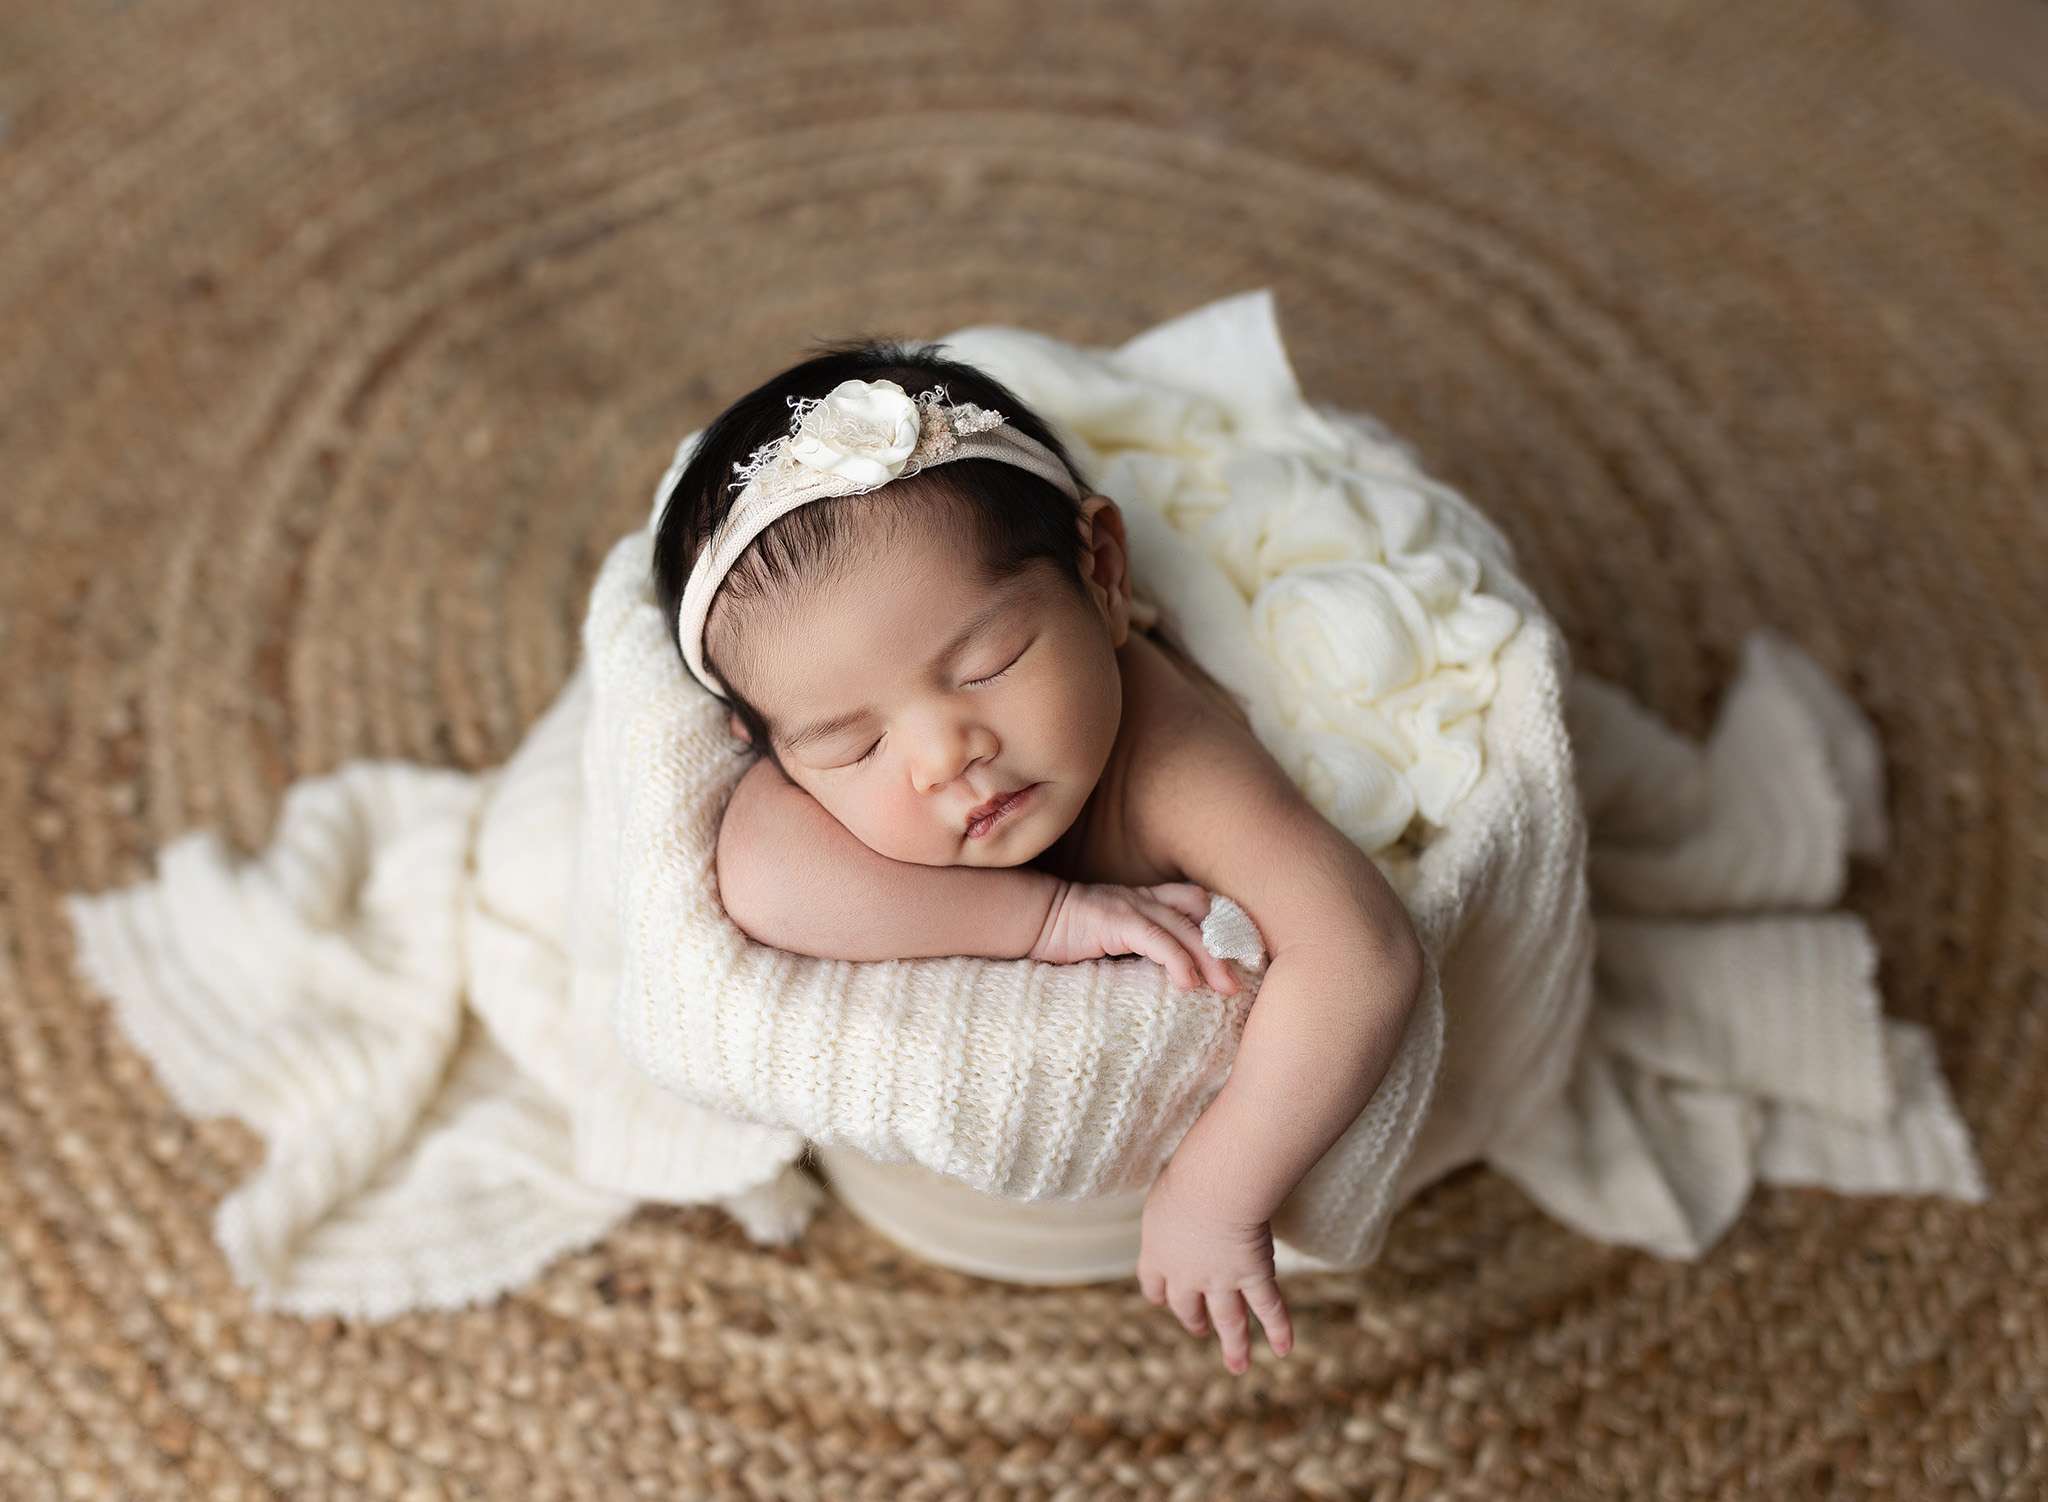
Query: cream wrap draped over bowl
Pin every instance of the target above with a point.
(478, 1018)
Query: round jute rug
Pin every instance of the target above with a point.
(340, 341)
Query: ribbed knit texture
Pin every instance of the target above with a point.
(478, 1018)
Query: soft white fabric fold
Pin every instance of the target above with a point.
(1730, 1045)
(476, 1019)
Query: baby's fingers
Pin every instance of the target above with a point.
(1188, 897)
(1272, 1312)
(1201, 965)
(1160, 943)
(1198, 900)
(1233, 1327)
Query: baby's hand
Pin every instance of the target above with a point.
(1205, 1269)
(1091, 920)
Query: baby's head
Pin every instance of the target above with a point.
(830, 628)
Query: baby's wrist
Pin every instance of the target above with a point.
(1055, 895)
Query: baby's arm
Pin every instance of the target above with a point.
(793, 877)
(1344, 971)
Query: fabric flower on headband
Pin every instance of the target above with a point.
(867, 433)
(864, 430)
(856, 438)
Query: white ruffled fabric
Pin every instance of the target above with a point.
(477, 1019)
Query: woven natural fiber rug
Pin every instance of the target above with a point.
(339, 342)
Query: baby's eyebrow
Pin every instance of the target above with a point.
(975, 624)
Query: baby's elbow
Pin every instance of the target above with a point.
(1381, 940)
(747, 887)
(736, 892)
(1384, 921)
(1410, 970)
(1404, 947)
(1343, 901)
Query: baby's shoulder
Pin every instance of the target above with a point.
(1180, 718)
(1177, 684)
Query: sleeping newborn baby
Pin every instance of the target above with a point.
(966, 747)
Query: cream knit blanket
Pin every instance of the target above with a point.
(477, 1019)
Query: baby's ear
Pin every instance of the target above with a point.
(732, 723)
(1108, 560)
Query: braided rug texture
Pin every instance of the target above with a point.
(341, 341)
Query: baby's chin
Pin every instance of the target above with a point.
(1021, 855)
(971, 854)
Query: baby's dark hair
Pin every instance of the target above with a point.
(1007, 518)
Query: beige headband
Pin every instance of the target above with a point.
(858, 438)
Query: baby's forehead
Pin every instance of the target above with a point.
(949, 618)
(947, 614)
(943, 594)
